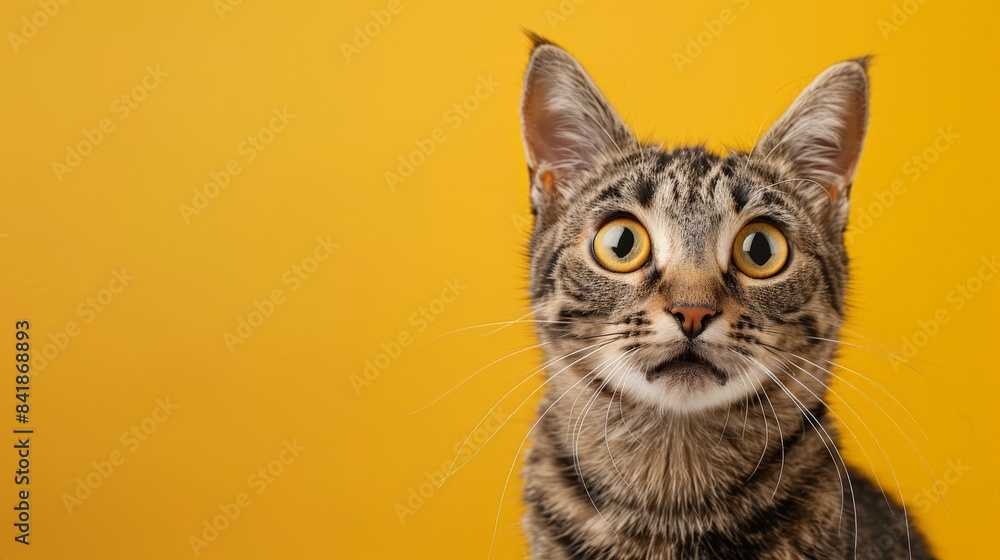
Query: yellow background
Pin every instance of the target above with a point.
(460, 217)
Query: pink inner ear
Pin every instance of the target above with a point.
(834, 193)
(822, 133)
(548, 181)
(852, 140)
(537, 123)
(568, 123)
(547, 132)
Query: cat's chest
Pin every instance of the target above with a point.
(661, 469)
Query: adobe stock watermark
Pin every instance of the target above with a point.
(248, 150)
(562, 12)
(87, 310)
(419, 321)
(699, 42)
(131, 440)
(913, 169)
(934, 493)
(955, 300)
(258, 481)
(292, 279)
(894, 533)
(365, 33)
(900, 16)
(522, 223)
(454, 116)
(225, 7)
(462, 452)
(121, 107)
(31, 25)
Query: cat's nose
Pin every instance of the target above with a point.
(693, 318)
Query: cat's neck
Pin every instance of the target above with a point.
(692, 467)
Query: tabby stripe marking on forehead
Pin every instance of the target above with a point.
(644, 192)
(611, 192)
(674, 183)
(738, 190)
(709, 181)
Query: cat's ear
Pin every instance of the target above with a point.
(569, 127)
(821, 136)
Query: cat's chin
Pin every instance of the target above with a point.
(686, 368)
(687, 383)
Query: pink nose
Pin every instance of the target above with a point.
(692, 318)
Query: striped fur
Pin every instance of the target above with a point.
(739, 462)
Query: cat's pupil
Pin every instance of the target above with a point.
(760, 249)
(621, 240)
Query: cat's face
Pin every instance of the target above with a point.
(683, 279)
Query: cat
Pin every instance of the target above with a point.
(688, 305)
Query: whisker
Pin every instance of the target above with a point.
(886, 414)
(722, 435)
(824, 436)
(607, 416)
(892, 470)
(904, 363)
(881, 388)
(763, 450)
(480, 370)
(781, 443)
(452, 470)
(475, 373)
(576, 450)
(621, 411)
(867, 429)
(508, 323)
(810, 182)
(502, 327)
(517, 454)
(756, 137)
(600, 125)
(746, 403)
(834, 393)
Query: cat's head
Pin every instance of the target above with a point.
(687, 280)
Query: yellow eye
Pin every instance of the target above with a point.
(760, 250)
(622, 245)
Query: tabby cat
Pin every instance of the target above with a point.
(689, 305)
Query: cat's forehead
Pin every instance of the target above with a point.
(689, 187)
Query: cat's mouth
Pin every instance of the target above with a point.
(687, 366)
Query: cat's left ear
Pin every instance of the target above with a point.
(570, 128)
(820, 136)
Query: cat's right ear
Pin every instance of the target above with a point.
(570, 129)
(820, 138)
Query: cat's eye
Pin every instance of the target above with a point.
(622, 245)
(760, 250)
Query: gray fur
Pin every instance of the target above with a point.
(627, 463)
